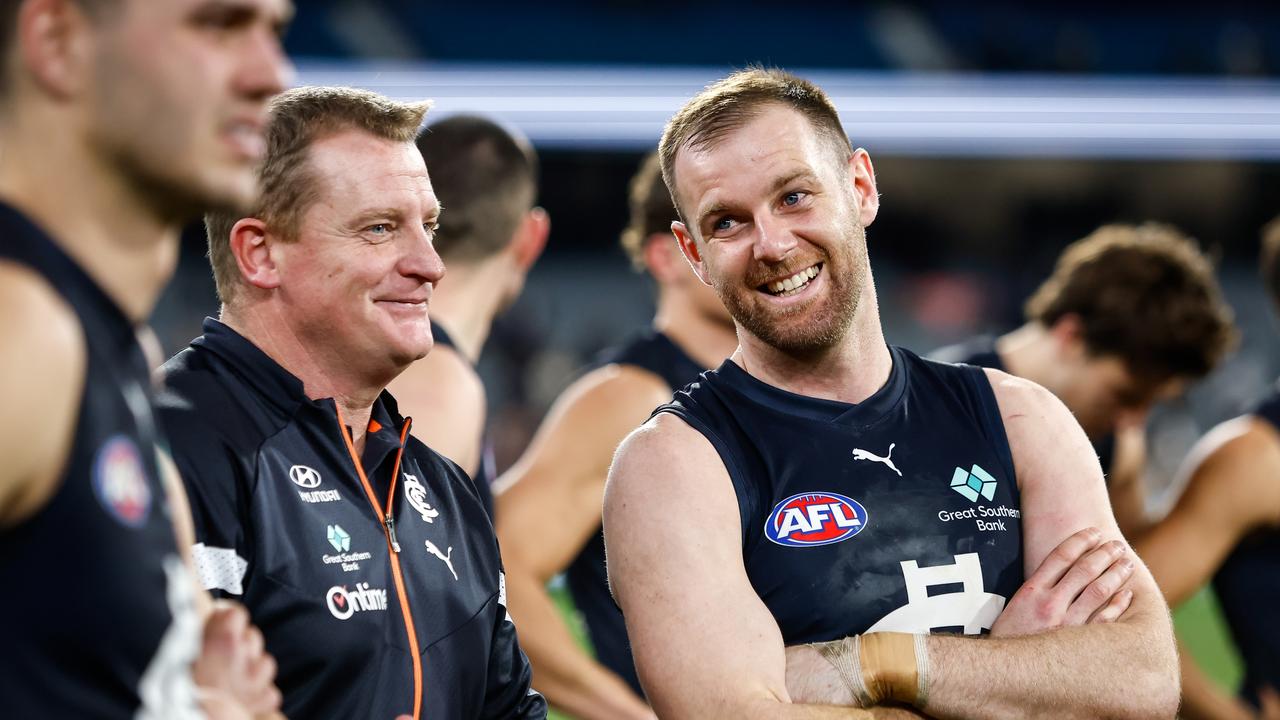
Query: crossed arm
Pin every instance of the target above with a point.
(706, 646)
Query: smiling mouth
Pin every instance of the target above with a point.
(792, 285)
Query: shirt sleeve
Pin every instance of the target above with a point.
(509, 693)
(216, 489)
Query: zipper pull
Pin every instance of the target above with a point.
(390, 522)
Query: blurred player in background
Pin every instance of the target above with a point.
(823, 490)
(1225, 528)
(487, 177)
(1131, 315)
(549, 506)
(119, 122)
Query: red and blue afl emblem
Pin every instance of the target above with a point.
(810, 519)
(120, 482)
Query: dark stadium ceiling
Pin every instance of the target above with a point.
(620, 108)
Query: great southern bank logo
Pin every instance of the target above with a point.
(973, 483)
(810, 519)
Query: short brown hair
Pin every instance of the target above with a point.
(1144, 293)
(1270, 259)
(486, 175)
(651, 209)
(728, 104)
(298, 118)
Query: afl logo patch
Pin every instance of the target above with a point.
(120, 482)
(810, 519)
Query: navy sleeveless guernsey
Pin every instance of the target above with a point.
(100, 622)
(487, 472)
(588, 580)
(900, 513)
(981, 351)
(1248, 588)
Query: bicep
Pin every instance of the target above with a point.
(562, 474)
(704, 643)
(42, 367)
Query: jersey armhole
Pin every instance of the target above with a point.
(989, 415)
(747, 502)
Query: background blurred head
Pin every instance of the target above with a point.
(486, 175)
(337, 256)
(652, 248)
(1136, 314)
(170, 97)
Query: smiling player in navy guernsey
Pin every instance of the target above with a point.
(822, 487)
(120, 120)
(365, 557)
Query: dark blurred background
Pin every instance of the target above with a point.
(1000, 132)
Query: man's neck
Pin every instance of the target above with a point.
(323, 372)
(706, 340)
(465, 303)
(850, 371)
(92, 213)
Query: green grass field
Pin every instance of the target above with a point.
(1199, 623)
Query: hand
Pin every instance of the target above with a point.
(1079, 582)
(234, 667)
(812, 680)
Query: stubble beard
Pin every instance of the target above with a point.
(808, 330)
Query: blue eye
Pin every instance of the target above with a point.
(723, 224)
(380, 229)
(792, 198)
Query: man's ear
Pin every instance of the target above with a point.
(252, 246)
(863, 177)
(531, 237)
(1068, 335)
(55, 45)
(689, 247)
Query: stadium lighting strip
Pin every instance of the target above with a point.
(624, 108)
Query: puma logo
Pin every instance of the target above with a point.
(445, 558)
(860, 454)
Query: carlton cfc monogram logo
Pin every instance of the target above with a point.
(810, 519)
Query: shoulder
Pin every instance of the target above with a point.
(444, 378)
(665, 457)
(43, 357)
(1239, 459)
(619, 384)
(1040, 429)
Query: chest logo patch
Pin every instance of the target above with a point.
(120, 482)
(973, 483)
(887, 460)
(304, 477)
(417, 495)
(819, 518)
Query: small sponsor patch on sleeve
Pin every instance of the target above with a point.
(219, 568)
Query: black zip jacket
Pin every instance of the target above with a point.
(377, 582)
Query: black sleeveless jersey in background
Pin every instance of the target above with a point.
(98, 621)
(487, 472)
(981, 351)
(588, 579)
(1248, 588)
(900, 513)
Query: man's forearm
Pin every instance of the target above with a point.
(1123, 670)
(565, 675)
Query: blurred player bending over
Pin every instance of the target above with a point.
(487, 177)
(1130, 316)
(1226, 528)
(119, 121)
(821, 487)
(562, 474)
